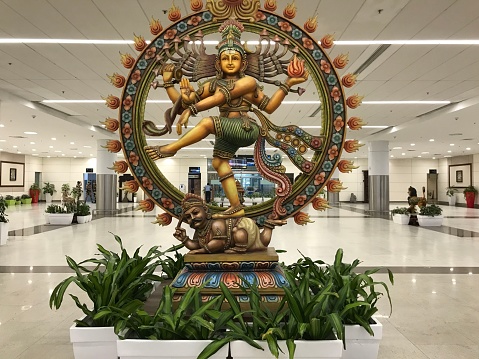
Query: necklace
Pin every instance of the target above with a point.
(204, 233)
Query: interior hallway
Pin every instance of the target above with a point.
(435, 308)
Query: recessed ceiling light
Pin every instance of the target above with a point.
(30, 133)
(447, 156)
(15, 146)
(431, 140)
(3, 140)
(392, 155)
(86, 146)
(397, 148)
(49, 156)
(413, 144)
(452, 144)
(32, 143)
(434, 158)
(54, 139)
(72, 143)
(63, 154)
(80, 153)
(2, 125)
(403, 154)
(424, 153)
(58, 151)
(33, 149)
(468, 148)
(449, 151)
(50, 146)
(34, 154)
(19, 152)
(74, 156)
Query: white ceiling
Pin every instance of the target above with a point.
(30, 73)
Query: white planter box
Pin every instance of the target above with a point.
(401, 218)
(361, 345)
(93, 342)
(3, 233)
(426, 221)
(452, 200)
(164, 349)
(83, 219)
(318, 349)
(48, 198)
(60, 218)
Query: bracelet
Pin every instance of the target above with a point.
(264, 102)
(193, 109)
(167, 84)
(285, 88)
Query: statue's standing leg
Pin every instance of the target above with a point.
(204, 128)
(228, 183)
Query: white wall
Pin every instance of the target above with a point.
(409, 172)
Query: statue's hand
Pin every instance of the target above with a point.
(183, 121)
(291, 81)
(187, 91)
(168, 72)
(180, 234)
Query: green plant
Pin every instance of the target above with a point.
(18, 198)
(35, 187)
(431, 210)
(48, 188)
(214, 203)
(470, 188)
(25, 196)
(55, 208)
(77, 192)
(172, 266)
(83, 209)
(66, 189)
(357, 294)
(117, 280)
(450, 191)
(400, 210)
(9, 197)
(3, 207)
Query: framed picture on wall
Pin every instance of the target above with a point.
(460, 175)
(12, 174)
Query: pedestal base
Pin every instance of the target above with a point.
(233, 270)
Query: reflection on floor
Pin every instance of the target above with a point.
(435, 307)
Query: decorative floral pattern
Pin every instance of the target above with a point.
(147, 183)
(167, 203)
(333, 152)
(285, 26)
(319, 178)
(338, 123)
(300, 200)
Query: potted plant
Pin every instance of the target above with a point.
(18, 200)
(48, 190)
(26, 199)
(400, 215)
(59, 215)
(10, 200)
(430, 216)
(3, 222)
(470, 193)
(83, 213)
(117, 280)
(34, 192)
(451, 194)
(356, 291)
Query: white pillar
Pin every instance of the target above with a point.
(378, 172)
(106, 180)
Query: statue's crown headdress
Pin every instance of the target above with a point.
(231, 31)
(192, 200)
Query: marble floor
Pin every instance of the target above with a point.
(435, 306)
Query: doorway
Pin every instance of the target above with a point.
(366, 185)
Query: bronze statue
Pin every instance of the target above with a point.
(231, 235)
(234, 93)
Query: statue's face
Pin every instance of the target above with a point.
(196, 217)
(230, 62)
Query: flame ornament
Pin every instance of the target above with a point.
(111, 124)
(351, 146)
(113, 146)
(155, 26)
(311, 24)
(196, 5)
(112, 102)
(341, 61)
(146, 205)
(335, 186)
(320, 204)
(302, 218)
(127, 60)
(356, 123)
(119, 167)
(290, 11)
(130, 186)
(346, 166)
(354, 101)
(270, 5)
(349, 80)
(296, 67)
(117, 80)
(174, 14)
(163, 219)
(327, 41)
(140, 43)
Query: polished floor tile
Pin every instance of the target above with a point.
(435, 309)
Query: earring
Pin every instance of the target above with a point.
(208, 215)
